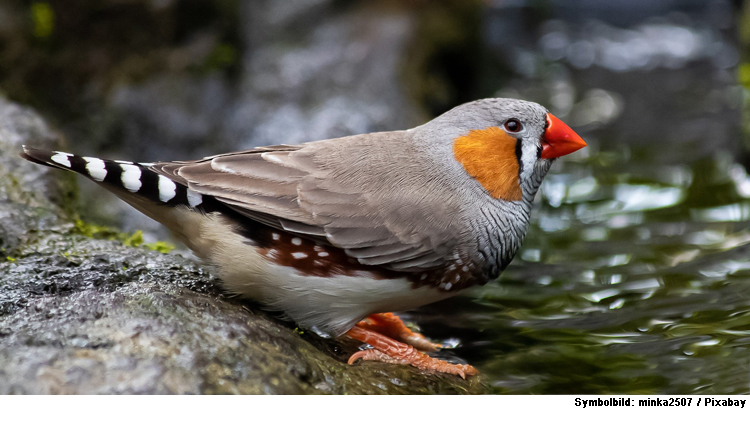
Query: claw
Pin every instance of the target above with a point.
(388, 350)
(392, 326)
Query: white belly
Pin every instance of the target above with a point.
(327, 304)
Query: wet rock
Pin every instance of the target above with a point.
(32, 199)
(83, 315)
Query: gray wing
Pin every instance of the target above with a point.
(353, 193)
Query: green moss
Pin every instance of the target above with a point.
(134, 240)
(95, 231)
(222, 57)
(160, 246)
(743, 70)
(744, 75)
(43, 18)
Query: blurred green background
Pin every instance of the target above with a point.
(635, 275)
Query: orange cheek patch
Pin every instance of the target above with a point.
(489, 156)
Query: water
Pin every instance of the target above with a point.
(633, 279)
(635, 274)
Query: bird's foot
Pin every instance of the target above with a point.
(392, 326)
(389, 350)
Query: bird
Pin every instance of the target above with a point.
(340, 234)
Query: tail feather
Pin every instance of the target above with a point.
(123, 177)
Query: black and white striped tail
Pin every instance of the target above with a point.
(136, 178)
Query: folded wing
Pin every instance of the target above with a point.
(351, 193)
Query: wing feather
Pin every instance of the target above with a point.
(346, 192)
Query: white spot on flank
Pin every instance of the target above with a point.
(131, 177)
(452, 267)
(299, 255)
(458, 278)
(61, 158)
(167, 189)
(322, 254)
(96, 168)
(448, 286)
(296, 241)
(465, 268)
(423, 277)
(194, 199)
(318, 263)
(318, 248)
(276, 236)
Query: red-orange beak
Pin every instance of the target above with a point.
(559, 139)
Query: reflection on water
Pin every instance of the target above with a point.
(635, 274)
(660, 43)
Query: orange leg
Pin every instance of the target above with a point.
(389, 350)
(392, 326)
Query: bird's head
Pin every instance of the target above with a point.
(507, 145)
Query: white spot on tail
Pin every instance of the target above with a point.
(167, 189)
(131, 177)
(61, 158)
(299, 255)
(96, 169)
(194, 199)
(296, 241)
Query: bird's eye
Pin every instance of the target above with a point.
(513, 125)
